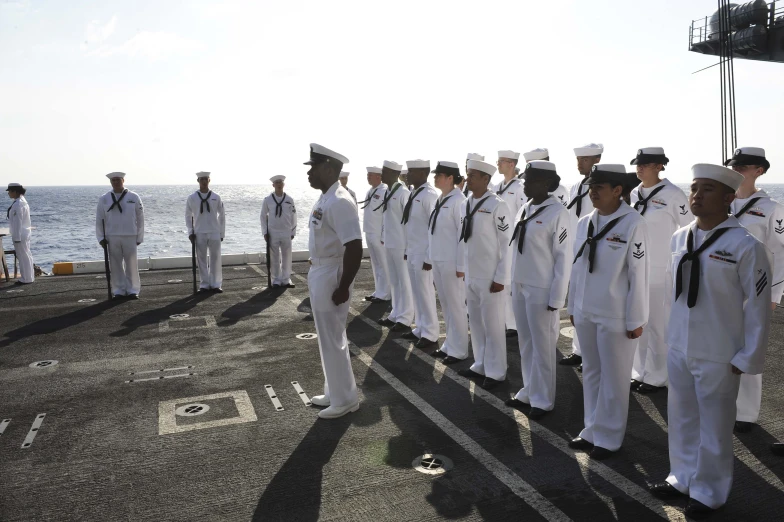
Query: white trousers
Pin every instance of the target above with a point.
(378, 262)
(537, 335)
(210, 270)
(280, 259)
(124, 265)
(607, 361)
(402, 302)
(424, 294)
(650, 360)
(700, 416)
(486, 322)
(339, 383)
(25, 259)
(749, 398)
(509, 314)
(452, 296)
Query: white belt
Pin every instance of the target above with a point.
(325, 261)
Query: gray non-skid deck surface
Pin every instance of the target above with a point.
(98, 454)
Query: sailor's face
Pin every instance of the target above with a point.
(748, 171)
(477, 180)
(648, 170)
(505, 165)
(584, 164)
(314, 175)
(604, 195)
(117, 184)
(443, 182)
(344, 181)
(204, 183)
(535, 188)
(278, 185)
(709, 197)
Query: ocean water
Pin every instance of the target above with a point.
(63, 219)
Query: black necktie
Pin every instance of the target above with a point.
(747, 206)
(520, 228)
(644, 201)
(388, 197)
(468, 221)
(407, 209)
(434, 215)
(116, 201)
(579, 198)
(204, 201)
(694, 276)
(369, 199)
(500, 192)
(8, 214)
(278, 205)
(591, 241)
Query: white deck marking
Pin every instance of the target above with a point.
(273, 397)
(4, 424)
(39, 419)
(301, 393)
(259, 270)
(163, 370)
(210, 321)
(163, 326)
(162, 377)
(167, 420)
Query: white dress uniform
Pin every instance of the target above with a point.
(561, 195)
(394, 238)
(205, 217)
(666, 209)
(606, 303)
(279, 220)
(512, 194)
(540, 278)
(123, 214)
(372, 223)
(487, 260)
(420, 205)
(579, 205)
(448, 255)
(20, 226)
(728, 325)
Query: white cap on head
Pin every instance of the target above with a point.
(202, 174)
(116, 175)
(404, 172)
(418, 164)
(592, 149)
(540, 165)
(609, 167)
(748, 156)
(344, 174)
(12, 186)
(392, 165)
(320, 150)
(481, 166)
(373, 170)
(509, 154)
(474, 156)
(279, 177)
(717, 173)
(536, 154)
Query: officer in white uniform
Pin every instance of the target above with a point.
(344, 183)
(665, 209)
(335, 246)
(608, 305)
(372, 222)
(416, 213)
(393, 237)
(486, 231)
(764, 218)
(541, 265)
(19, 224)
(718, 330)
(122, 213)
(205, 221)
(580, 205)
(561, 194)
(448, 256)
(279, 226)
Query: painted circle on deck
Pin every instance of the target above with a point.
(191, 410)
(179, 316)
(432, 464)
(42, 364)
(86, 300)
(306, 336)
(568, 332)
(174, 281)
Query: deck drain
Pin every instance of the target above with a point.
(179, 316)
(174, 281)
(86, 300)
(430, 464)
(568, 332)
(42, 364)
(306, 336)
(191, 410)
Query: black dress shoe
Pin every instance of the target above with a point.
(291, 285)
(511, 333)
(400, 327)
(276, 285)
(426, 344)
(697, 510)
(743, 427)
(439, 354)
(599, 453)
(410, 335)
(777, 448)
(489, 384)
(218, 290)
(386, 322)
(646, 388)
(451, 360)
(370, 298)
(133, 296)
(471, 374)
(571, 360)
(664, 490)
(537, 413)
(517, 404)
(579, 443)
(634, 384)
(203, 290)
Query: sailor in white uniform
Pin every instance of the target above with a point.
(608, 305)
(665, 209)
(279, 226)
(718, 330)
(486, 231)
(416, 213)
(580, 205)
(19, 224)
(121, 212)
(205, 221)
(393, 237)
(335, 246)
(344, 183)
(372, 221)
(764, 218)
(448, 256)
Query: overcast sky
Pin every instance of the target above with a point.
(163, 89)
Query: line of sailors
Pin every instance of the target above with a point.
(654, 295)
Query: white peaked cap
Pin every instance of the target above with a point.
(392, 165)
(651, 151)
(279, 177)
(344, 174)
(418, 164)
(449, 164)
(510, 154)
(373, 170)
(474, 156)
(541, 165)
(202, 174)
(592, 149)
(718, 173)
(116, 175)
(481, 166)
(536, 154)
(320, 149)
(751, 151)
(609, 167)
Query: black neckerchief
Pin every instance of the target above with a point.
(642, 201)
(465, 191)
(407, 209)
(204, 201)
(468, 221)
(591, 241)
(116, 201)
(8, 214)
(500, 192)
(388, 197)
(579, 198)
(369, 199)
(747, 206)
(521, 226)
(693, 256)
(278, 205)
(434, 215)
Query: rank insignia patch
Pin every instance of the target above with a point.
(762, 282)
(503, 227)
(683, 210)
(562, 236)
(638, 254)
(779, 229)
